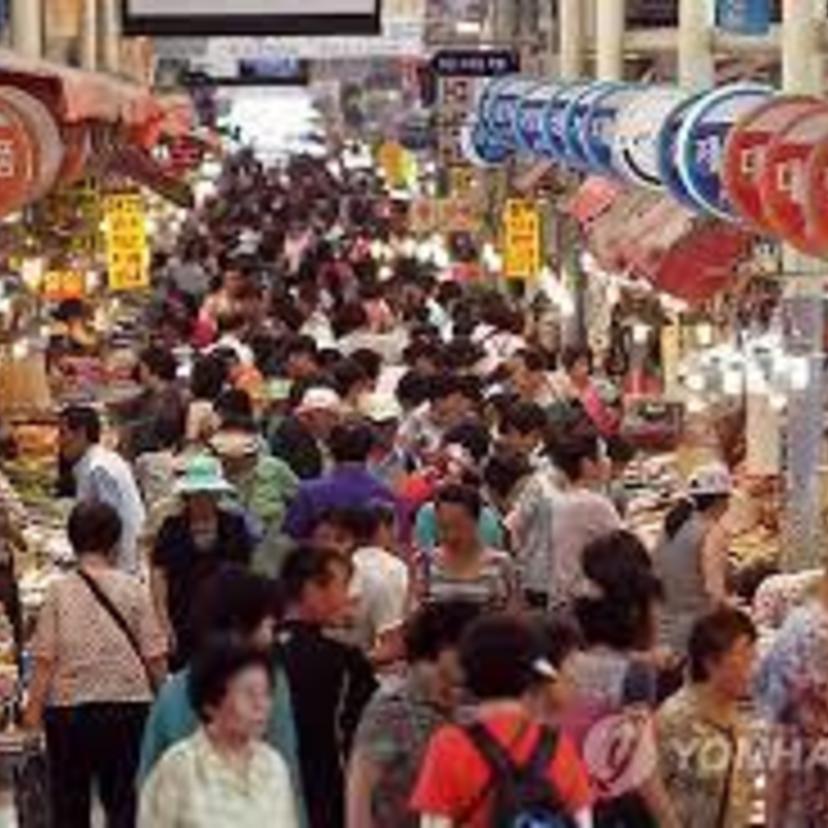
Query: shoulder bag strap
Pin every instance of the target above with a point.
(115, 614)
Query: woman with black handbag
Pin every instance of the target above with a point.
(99, 654)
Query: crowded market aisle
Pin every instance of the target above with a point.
(357, 525)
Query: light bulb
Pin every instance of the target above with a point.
(704, 334)
(695, 382)
(733, 383)
(640, 334)
(799, 373)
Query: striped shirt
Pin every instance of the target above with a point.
(492, 585)
(194, 786)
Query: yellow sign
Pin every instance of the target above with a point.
(522, 239)
(63, 284)
(127, 249)
(463, 181)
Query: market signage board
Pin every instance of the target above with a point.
(522, 239)
(127, 247)
(635, 149)
(251, 17)
(745, 17)
(783, 182)
(701, 140)
(475, 63)
(746, 150)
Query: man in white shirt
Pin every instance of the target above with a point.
(104, 476)
(380, 585)
(581, 513)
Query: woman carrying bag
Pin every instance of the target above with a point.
(99, 654)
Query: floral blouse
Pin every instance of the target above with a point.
(793, 695)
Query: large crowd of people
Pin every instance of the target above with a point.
(356, 556)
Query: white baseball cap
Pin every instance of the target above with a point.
(713, 479)
(320, 399)
(379, 407)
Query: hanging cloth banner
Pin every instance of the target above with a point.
(746, 17)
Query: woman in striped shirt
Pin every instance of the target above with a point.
(461, 568)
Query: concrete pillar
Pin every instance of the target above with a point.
(572, 36)
(695, 51)
(803, 72)
(610, 25)
(110, 36)
(27, 27)
(89, 35)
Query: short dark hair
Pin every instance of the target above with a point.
(620, 450)
(413, 389)
(443, 386)
(234, 404)
(569, 452)
(498, 653)
(438, 627)
(712, 637)
(300, 344)
(524, 418)
(619, 615)
(472, 436)
(535, 361)
(351, 442)
(366, 520)
(215, 666)
(160, 362)
(559, 636)
(573, 354)
(83, 418)
(370, 362)
(463, 496)
(233, 601)
(346, 374)
(208, 377)
(306, 564)
(94, 527)
(504, 471)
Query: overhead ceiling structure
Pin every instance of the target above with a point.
(251, 17)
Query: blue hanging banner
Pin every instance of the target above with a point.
(746, 17)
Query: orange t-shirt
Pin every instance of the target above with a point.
(454, 774)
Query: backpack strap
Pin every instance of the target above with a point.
(544, 752)
(496, 757)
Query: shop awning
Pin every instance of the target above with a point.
(138, 165)
(78, 95)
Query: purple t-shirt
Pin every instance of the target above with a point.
(345, 487)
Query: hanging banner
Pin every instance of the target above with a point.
(522, 239)
(745, 17)
(127, 249)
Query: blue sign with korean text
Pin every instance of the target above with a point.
(747, 17)
(599, 125)
(529, 118)
(701, 140)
